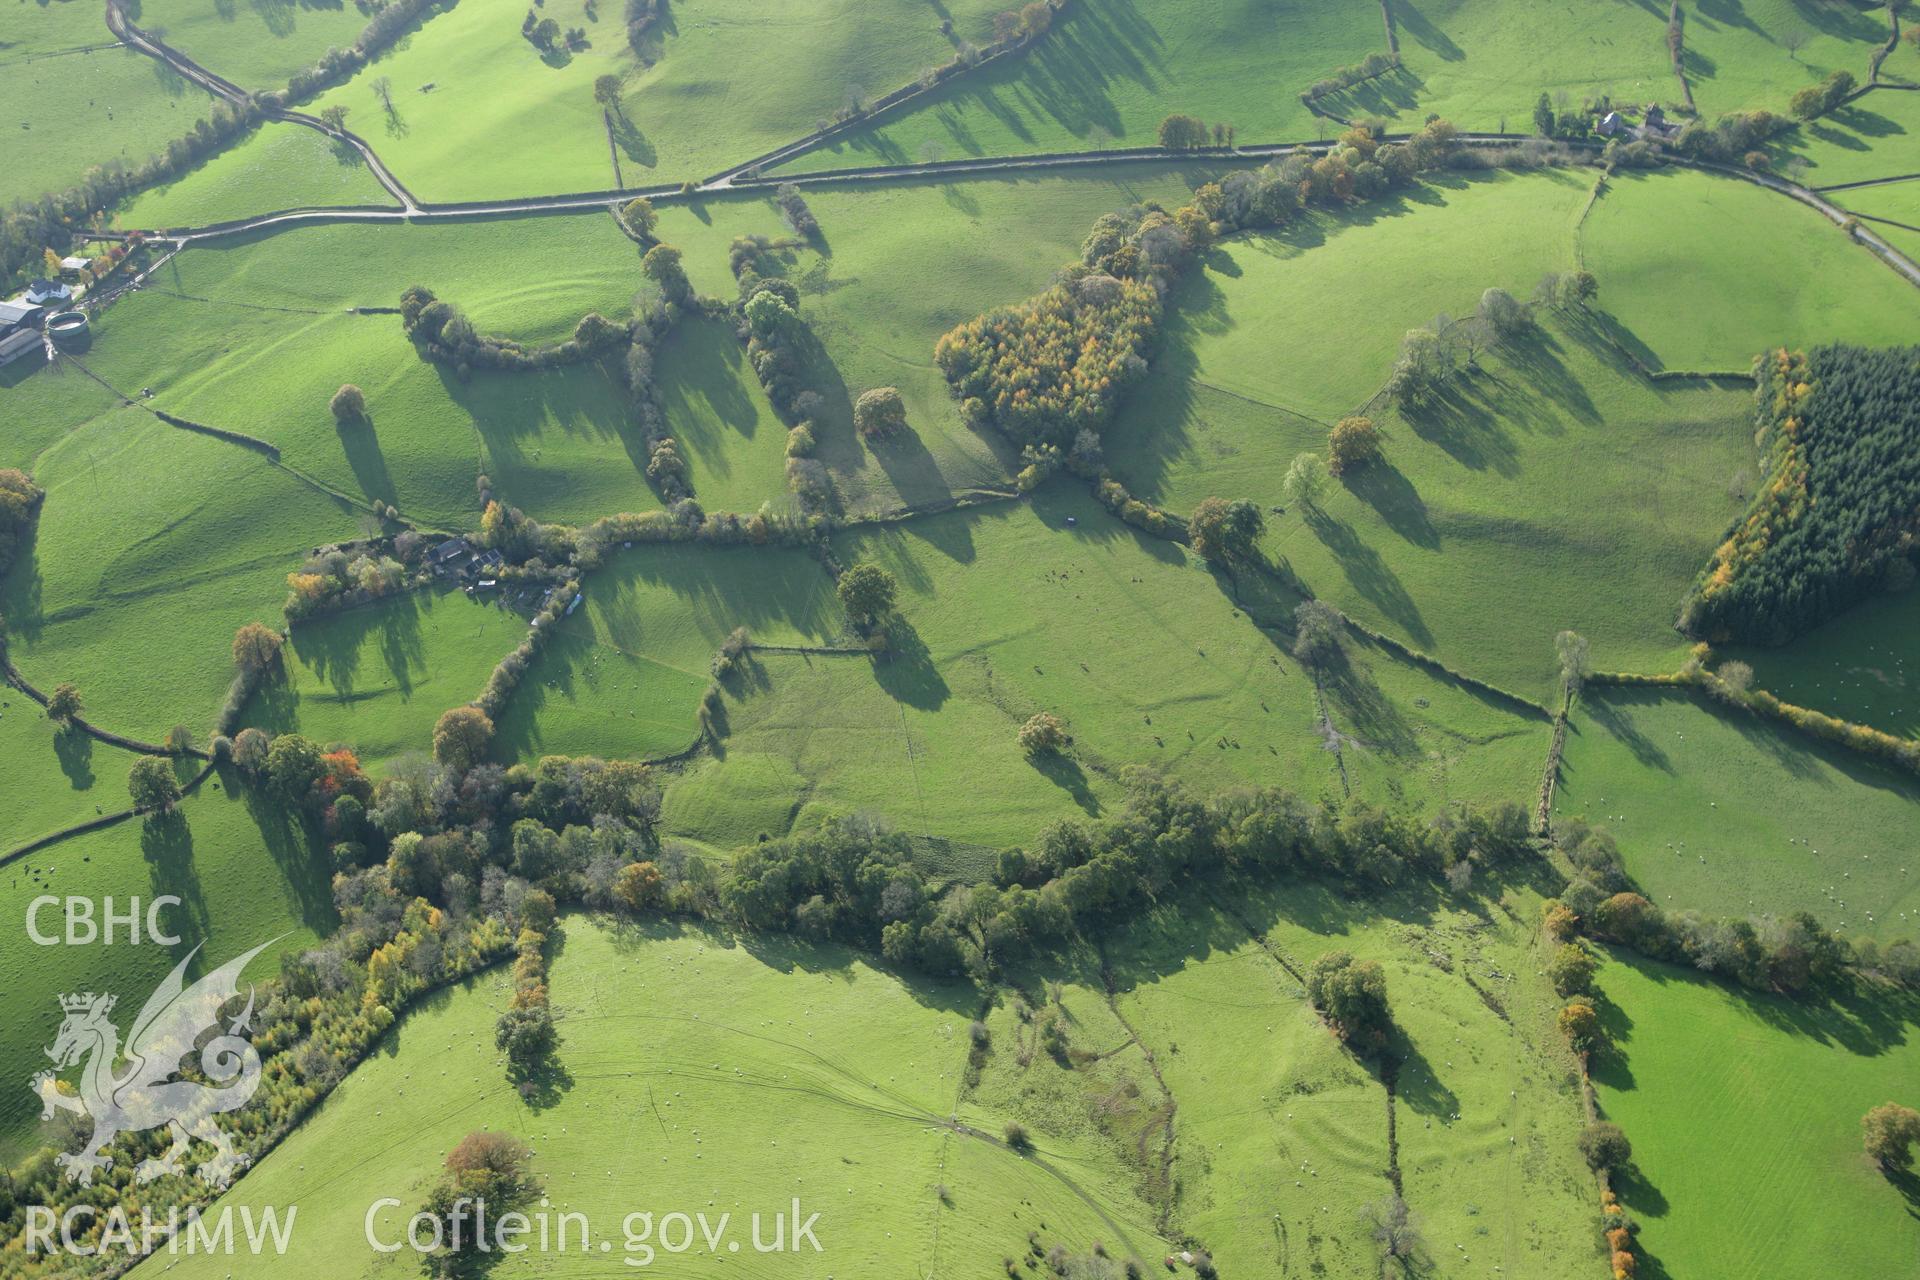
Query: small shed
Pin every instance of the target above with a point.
(1610, 124)
(73, 265)
(19, 343)
(448, 552)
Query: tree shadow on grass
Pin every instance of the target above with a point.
(1386, 489)
(297, 850)
(369, 463)
(633, 143)
(1065, 772)
(166, 842)
(74, 751)
(1410, 21)
(1370, 575)
(1611, 711)
(906, 671)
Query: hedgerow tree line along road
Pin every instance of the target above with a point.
(745, 175)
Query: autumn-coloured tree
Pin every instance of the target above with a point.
(1581, 1025)
(638, 885)
(65, 704)
(1890, 1132)
(879, 412)
(349, 404)
(1353, 442)
(461, 738)
(255, 648)
(1042, 734)
(152, 786)
(1223, 531)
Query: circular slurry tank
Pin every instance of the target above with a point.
(69, 329)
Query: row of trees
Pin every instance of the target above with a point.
(1838, 517)
(1816, 100)
(333, 578)
(1374, 64)
(29, 226)
(441, 331)
(1050, 368)
(20, 501)
(1794, 954)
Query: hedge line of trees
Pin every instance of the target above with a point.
(1793, 954)
(506, 674)
(388, 20)
(31, 226)
(1049, 368)
(20, 501)
(1374, 64)
(1838, 517)
(333, 578)
(442, 332)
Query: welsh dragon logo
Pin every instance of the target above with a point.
(143, 1094)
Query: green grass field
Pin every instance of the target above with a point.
(67, 106)
(1729, 814)
(869, 299)
(1744, 1112)
(1474, 542)
(244, 873)
(734, 443)
(377, 677)
(1898, 202)
(479, 112)
(56, 779)
(169, 577)
(1857, 667)
(1110, 70)
(1762, 270)
(1742, 57)
(705, 1076)
(254, 335)
(258, 45)
(282, 166)
(1876, 136)
(624, 673)
(1130, 640)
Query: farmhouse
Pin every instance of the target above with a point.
(450, 555)
(1610, 124)
(43, 292)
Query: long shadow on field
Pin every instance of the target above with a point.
(167, 845)
(1613, 343)
(1386, 489)
(1065, 772)
(1370, 575)
(906, 671)
(334, 646)
(1612, 711)
(296, 849)
(1410, 21)
(369, 464)
(21, 593)
(74, 751)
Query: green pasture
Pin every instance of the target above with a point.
(1875, 136)
(1009, 611)
(1482, 533)
(257, 45)
(1759, 270)
(245, 874)
(1856, 667)
(623, 674)
(132, 590)
(280, 166)
(1110, 70)
(704, 1075)
(1898, 202)
(41, 403)
(734, 443)
(67, 107)
(899, 266)
(1758, 53)
(55, 779)
(1744, 1112)
(256, 335)
(477, 111)
(379, 676)
(1729, 814)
